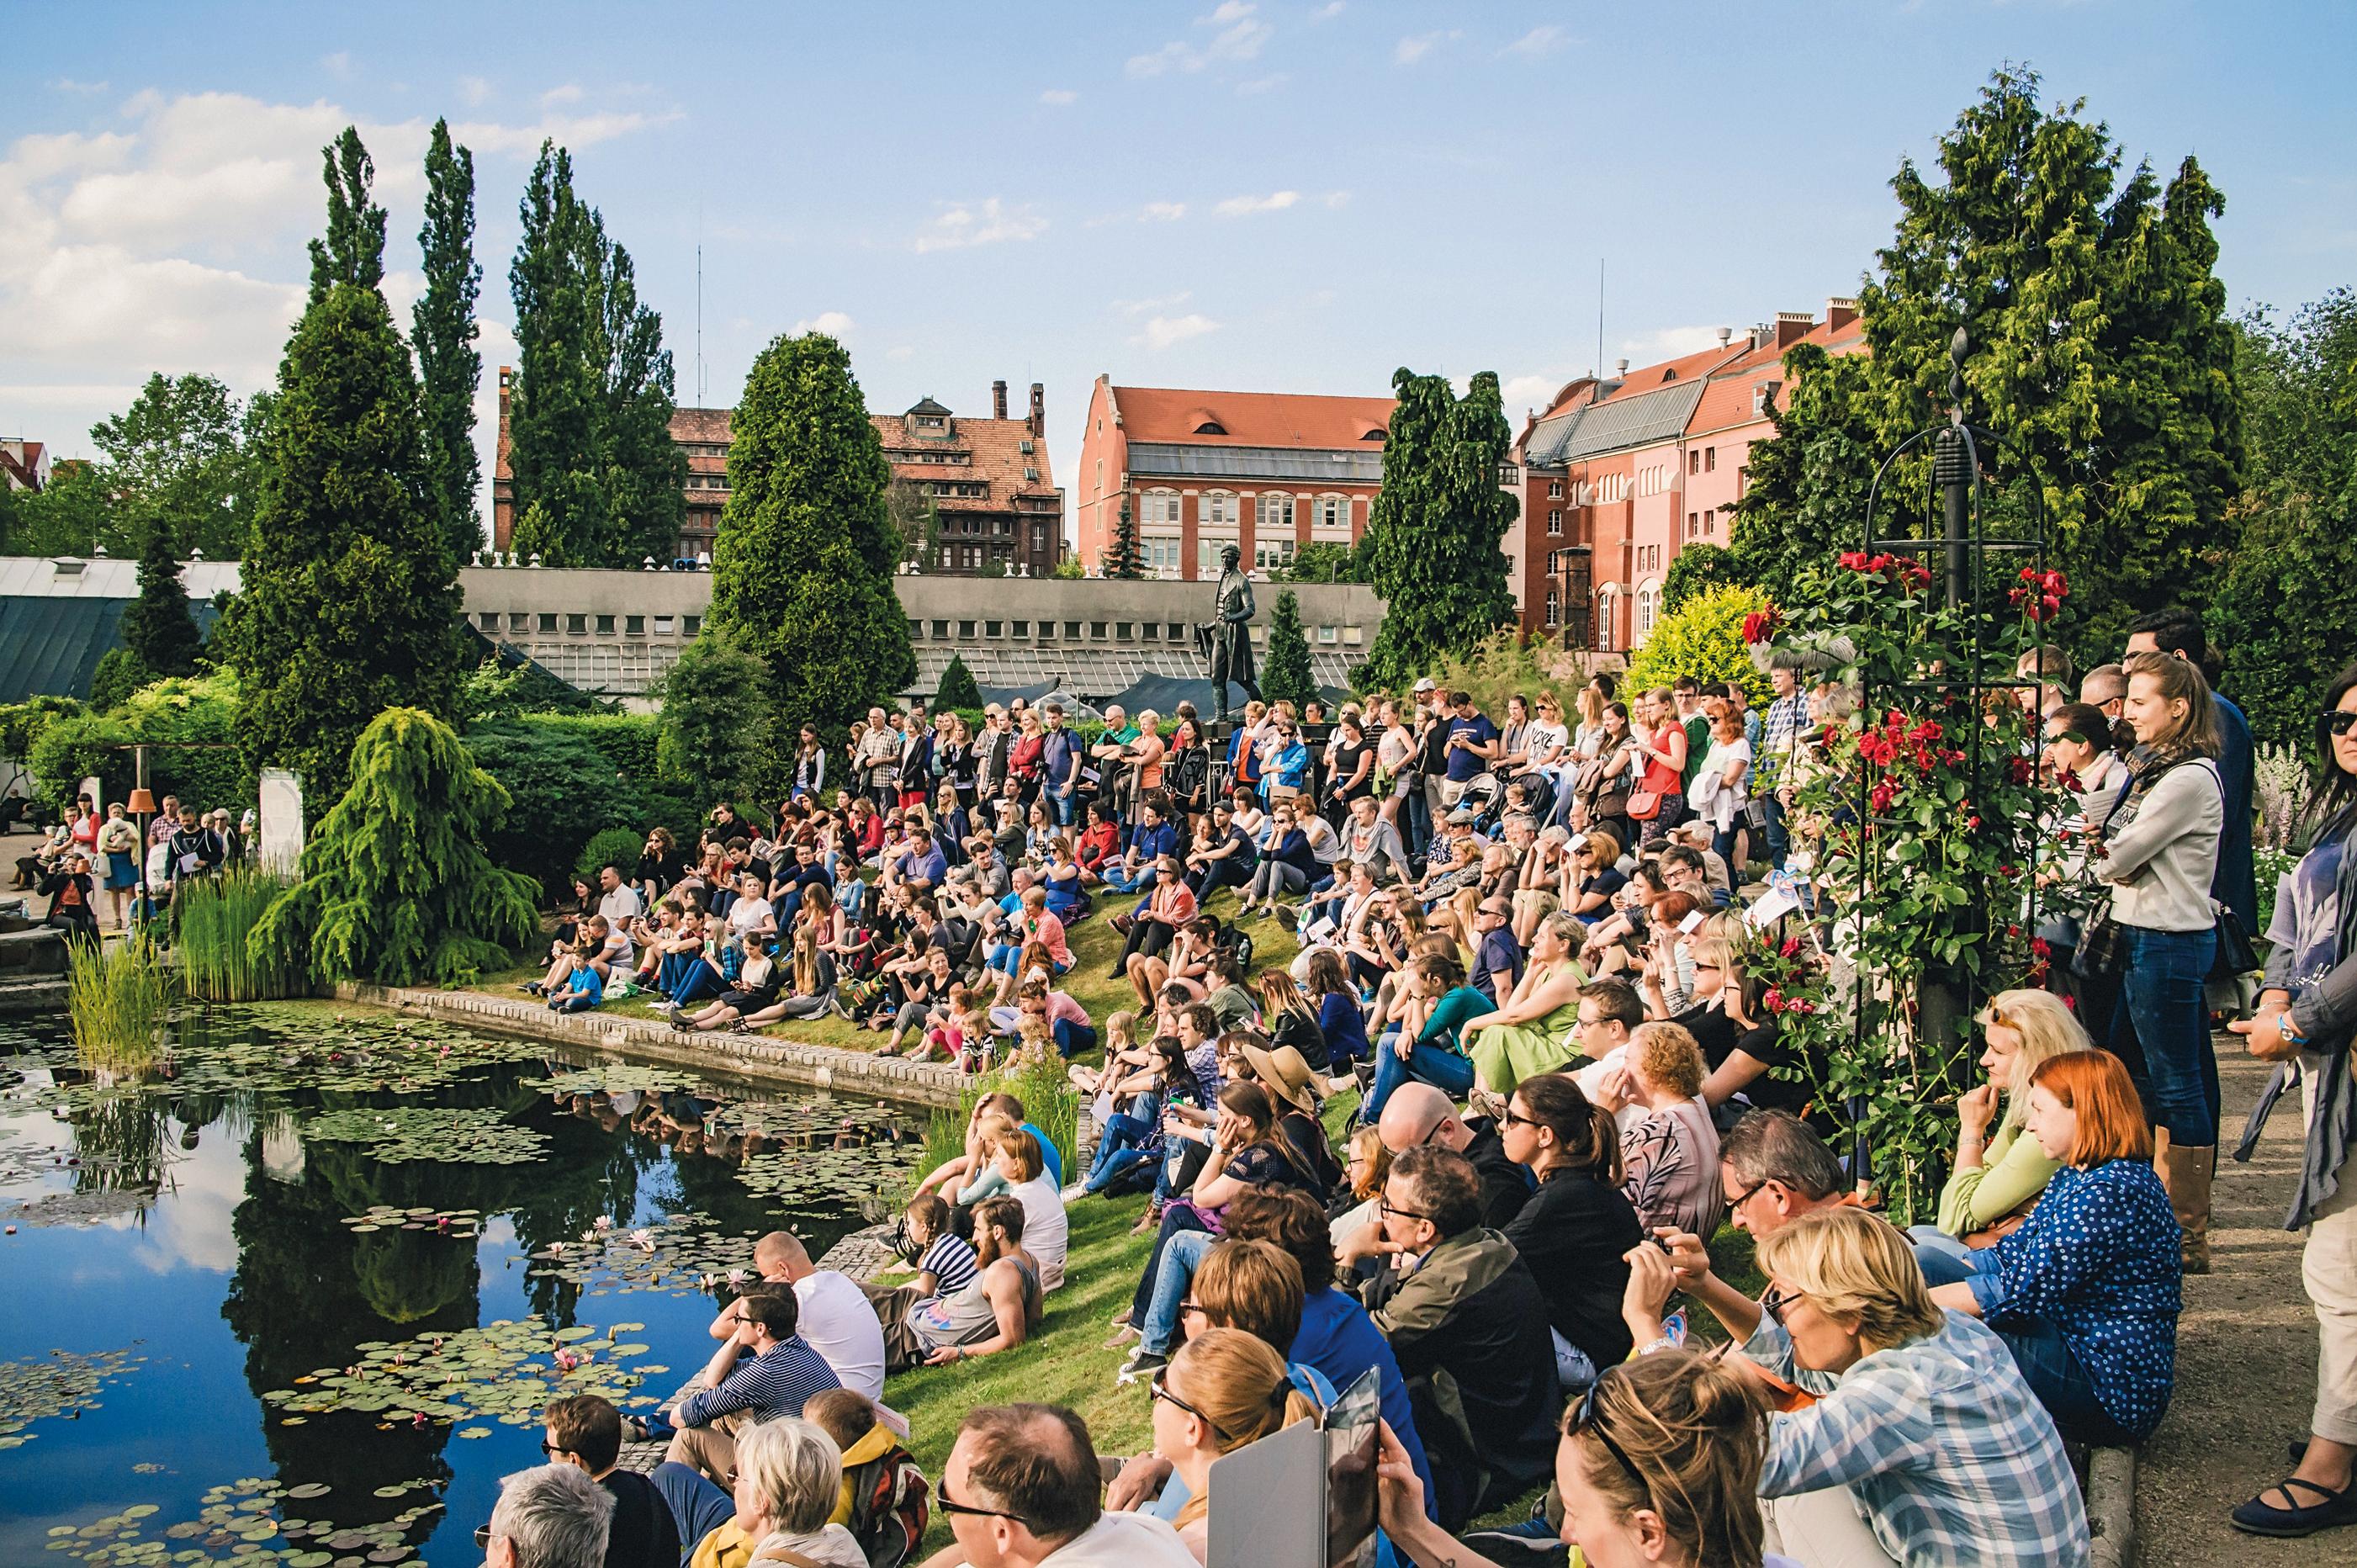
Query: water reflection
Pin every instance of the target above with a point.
(287, 1289)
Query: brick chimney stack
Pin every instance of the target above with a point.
(998, 400)
(1038, 420)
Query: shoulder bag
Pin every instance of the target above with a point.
(1660, 783)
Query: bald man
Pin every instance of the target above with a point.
(1417, 1115)
(836, 1320)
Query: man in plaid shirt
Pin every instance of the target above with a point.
(1787, 715)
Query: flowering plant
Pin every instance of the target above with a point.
(1921, 817)
(2039, 595)
(1762, 624)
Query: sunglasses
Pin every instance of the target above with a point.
(1589, 1417)
(1774, 1304)
(951, 1505)
(2338, 722)
(1160, 1388)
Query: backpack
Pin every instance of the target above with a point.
(890, 1505)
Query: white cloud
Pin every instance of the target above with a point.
(1260, 84)
(571, 93)
(1413, 48)
(474, 90)
(1160, 302)
(1162, 211)
(1327, 12)
(1058, 96)
(338, 64)
(1244, 206)
(1539, 40)
(964, 223)
(1336, 200)
(1527, 392)
(67, 85)
(1163, 331)
(1668, 343)
(1237, 35)
(834, 322)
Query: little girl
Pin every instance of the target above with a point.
(961, 1030)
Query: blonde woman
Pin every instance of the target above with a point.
(118, 850)
(1224, 1388)
(1997, 1179)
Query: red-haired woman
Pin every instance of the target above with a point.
(2086, 1292)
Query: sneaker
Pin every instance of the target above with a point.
(1141, 1366)
(1534, 1541)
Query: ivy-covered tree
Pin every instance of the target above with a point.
(157, 630)
(958, 688)
(350, 602)
(2286, 615)
(717, 729)
(1433, 542)
(1694, 569)
(802, 568)
(2100, 341)
(1285, 676)
(599, 480)
(395, 885)
(443, 332)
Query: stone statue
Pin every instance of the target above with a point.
(1226, 639)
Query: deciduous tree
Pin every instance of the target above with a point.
(717, 724)
(180, 459)
(443, 332)
(1432, 545)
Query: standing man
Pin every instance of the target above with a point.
(1787, 715)
(1230, 634)
(1472, 745)
(1060, 764)
(876, 761)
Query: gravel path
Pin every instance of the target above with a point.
(2246, 1361)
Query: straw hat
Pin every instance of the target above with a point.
(1284, 1072)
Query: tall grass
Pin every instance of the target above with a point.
(118, 997)
(1050, 1103)
(215, 915)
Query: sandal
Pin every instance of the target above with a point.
(2259, 1517)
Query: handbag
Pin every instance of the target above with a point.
(2103, 944)
(2236, 957)
(1645, 802)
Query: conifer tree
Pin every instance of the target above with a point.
(1123, 563)
(1433, 545)
(802, 567)
(443, 331)
(157, 630)
(395, 887)
(598, 479)
(349, 603)
(958, 688)
(1286, 675)
(716, 732)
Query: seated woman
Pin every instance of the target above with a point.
(1659, 1464)
(2086, 1292)
(1289, 866)
(1669, 1159)
(757, 984)
(1365, 1165)
(1186, 964)
(811, 975)
(1290, 1019)
(789, 1484)
(1339, 1021)
(1997, 1181)
(1575, 1231)
(1022, 1163)
(1130, 1140)
(1223, 1390)
(1433, 1051)
(1591, 875)
(1530, 1031)
(1100, 842)
(1925, 1443)
(1068, 900)
(925, 992)
(975, 1157)
(1169, 908)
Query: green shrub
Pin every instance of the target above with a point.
(1704, 639)
(216, 916)
(562, 790)
(118, 673)
(627, 741)
(21, 724)
(1050, 1103)
(205, 770)
(608, 846)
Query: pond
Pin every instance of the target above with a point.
(295, 1290)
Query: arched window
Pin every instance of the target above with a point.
(1375, 435)
(1210, 427)
(1607, 619)
(1649, 602)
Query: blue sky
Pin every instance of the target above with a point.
(1296, 197)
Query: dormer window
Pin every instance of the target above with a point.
(1668, 375)
(1210, 427)
(1375, 435)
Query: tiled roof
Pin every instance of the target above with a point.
(1731, 402)
(1252, 419)
(995, 449)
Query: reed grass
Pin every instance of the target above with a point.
(215, 916)
(118, 997)
(1050, 1103)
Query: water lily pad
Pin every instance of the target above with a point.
(446, 1134)
(63, 1382)
(309, 1490)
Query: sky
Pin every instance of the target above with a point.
(1273, 195)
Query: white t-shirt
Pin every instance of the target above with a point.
(837, 1323)
(621, 906)
(747, 913)
(1047, 1233)
(1122, 1540)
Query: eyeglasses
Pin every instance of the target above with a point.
(1774, 1304)
(1386, 1206)
(483, 1538)
(1589, 1417)
(1160, 1388)
(2338, 722)
(951, 1505)
(1735, 1203)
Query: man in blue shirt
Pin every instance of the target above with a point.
(1472, 746)
(780, 1375)
(922, 866)
(1059, 760)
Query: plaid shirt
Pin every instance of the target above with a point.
(1787, 717)
(1949, 1456)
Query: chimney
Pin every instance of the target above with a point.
(1619, 370)
(1724, 334)
(1791, 325)
(1038, 420)
(1840, 313)
(998, 400)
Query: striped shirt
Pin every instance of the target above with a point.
(1948, 1455)
(949, 1260)
(773, 1383)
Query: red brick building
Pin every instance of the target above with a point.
(1268, 472)
(988, 478)
(1620, 473)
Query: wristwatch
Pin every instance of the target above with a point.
(2291, 1037)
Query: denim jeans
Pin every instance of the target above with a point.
(1177, 1220)
(1779, 838)
(698, 982)
(2047, 1365)
(1172, 1280)
(697, 1507)
(1447, 1070)
(1415, 818)
(1119, 1150)
(1120, 883)
(1072, 1038)
(2164, 1009)
(1059, 805)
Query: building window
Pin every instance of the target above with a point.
(489, 620)
(1694, 461)
(1220, 509)
(994, 629)
(1125, 632)
(1554, 489)
(1332, 516)
(1710, 459)
(1606, 602)
(1555, 607)
(1275, 514)
(1023, 627)
(1742, 481)
(1072, 629)
(941, 628)
(662, 626)
(1097, 630)
(1694, 525)
(634, 625)
(1326, 635)
(1158, 506)
(1709, 523)
(576, 625)
(604, 626)
(548, 623)
(690, 625)
(965, 631)
(1554, 521)
(1273, 556)
(1176, 632)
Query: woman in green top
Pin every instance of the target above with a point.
(1529, 1033)
(1430, 1051)
(1998, 1179)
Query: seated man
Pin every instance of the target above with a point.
(549, 1517)
(996, 1311)
(1469, 1326)
(586, 1431)
(832, 1320)
(1418, 1114)
(1023, 1485)
(781, 1373)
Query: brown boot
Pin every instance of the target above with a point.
(2185, 1172)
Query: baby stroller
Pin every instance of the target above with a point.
(1481, 804)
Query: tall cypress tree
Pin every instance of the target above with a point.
(598, 479)
(1287, 676)
(802, 566)
(349, 603)
(1434, 541)
(443, 331)
(157, 630)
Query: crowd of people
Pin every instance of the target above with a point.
(99, 871)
